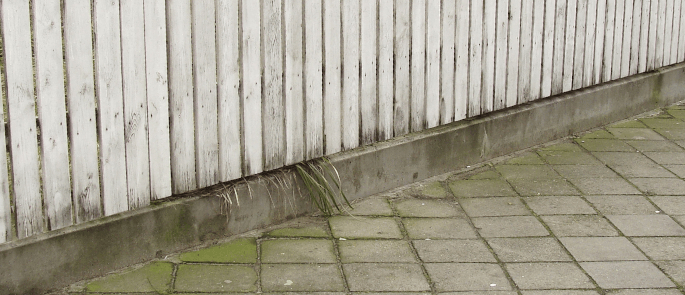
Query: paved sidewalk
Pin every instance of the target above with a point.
(602, 213)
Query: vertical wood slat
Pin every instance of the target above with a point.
(536, 49)
(369, 58)
(618, 40)
(608, 40)
(432, 63)
(668, 32)
(548, 48)
(660, 35)
(635, 38)
(677, 19)
(681, 38)
(525, 51)
(447, 61)
(580, 43)
(273, 117)
(571, 13)
(489, 34)
(475, 58)
(294, 100)
(52, 111)
(181, 120)
(81, 102)
(228, 89)
(135, 103)
(600, 36)
(110, 106)
(501, 55)
(5, 205)
(402, 79)
(386, 35)
(157, 98)
(651, 47)
(590, 39)
(418, 65)
(313, 23)
(644, 36)
(351, 59)
(332, 72)
(252, 87)
(559, 29)
(461, 86)
(514, 46)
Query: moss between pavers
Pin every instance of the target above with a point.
(481, 188)
(677, 113)
(237, 251)
(304, 232)
(562, 147)
(431, 190)
(154, 277)
(663, 123)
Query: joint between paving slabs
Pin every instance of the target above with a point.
(338, 259)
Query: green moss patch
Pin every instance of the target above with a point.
(237, 251)
(433, 190)
(526, 159)
(154, 277)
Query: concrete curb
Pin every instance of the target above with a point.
(53, 260)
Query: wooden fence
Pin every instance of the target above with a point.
(112, 104)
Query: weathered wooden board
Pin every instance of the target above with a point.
(536, 49)
(352, 58)
(252, 87)
(489, 37)
(677, 19)
(294, 91)
(600, 36)
(475, 58)
(447, 99)
(559, 29)
(569, 46)
(660, 34)
(607, 61)
(461, 84)
(313, 24)
(401, 106)
(501, 55)
(668, 32)
(525, 51)
(644, 36)
(618, 40)
(332, 74)
(433, 63)
(590, 39)
(273, 115)
(635, 38)
(418, 65)
(580, 42)
(548, 48)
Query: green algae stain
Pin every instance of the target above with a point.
(433, 190)
(309, 232)
(237, 251)
(154, 277)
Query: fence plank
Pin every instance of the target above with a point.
(475, 60)
(609, 40)
(569, 45)
(385, 69)
(314, 78)
(332, 72)
(681, 38)
(660, 34)
(447, 60)
(461, 91)
(135, 103)
(52, 111)
(402, 79)
(600, 36)
(668, 32)
(525, 51)
(536, 49)
(548, 48)
(559, 29)
(635, 37)
(489, 34)
(273, 117)
(618, 40)
(418, 66)
(351, 60)
(590, 39)
(110, 106)
(228, 88)
(5, 205)
(501, 55)
(677, 18)
(294, 100)
(181, 120)
(433, 63)
(579, 54)
(81, 102)
(157, 98)
(651, 47)
(644, 36)
(252, 87)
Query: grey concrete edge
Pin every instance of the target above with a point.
(53, 260)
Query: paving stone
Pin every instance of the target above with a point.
(677, 113)
(555, 205)
(622, 205)
(635, 133)
(600, 133)
(426, 208)
(298, 251)
(626, 275)
(644, 292)
(601, 248)
(357, 227)
(527, 171)
(560, 275)
(646, 225)
(623, 158)
(560, 292)
(604, 145)
(680, 219)
(433, 189)
(317, 231)
(528, 249)
(584, 171)
(568, 158)
(153, 277)
(662, 248)
(659, 123)
(481, 293)
(579, 225)
(497, 206)
(660, 186)
(509, 226)
(236, 251)
(601, 186)
(647, 170)
(528, 158)
(672, 133)
(481, 188)
(301, 277)
(675, 269)
(654, 146)
(487, 174)
(375, 251)
(667, 158)
(544, 187)
(453, 251)
(372, 206)
(215, 278)
(565, 146)
(438, 228)
(678, 170)
(482, 277)
(631, 123)
(672, 205)
(385, 277)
